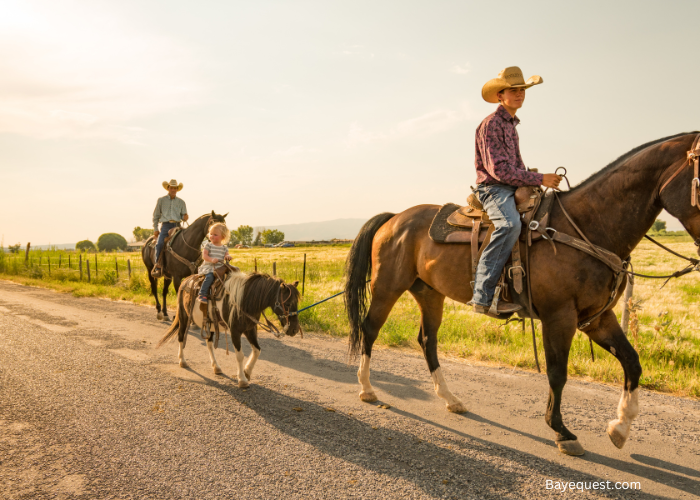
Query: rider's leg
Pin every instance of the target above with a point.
(164, 229)
(499, 203)
(204, 291)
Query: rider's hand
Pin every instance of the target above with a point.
(228, 257)
(551, 180)
(215, 261)
(156, 233)
(185, 217)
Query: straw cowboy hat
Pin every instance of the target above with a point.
(509, 78)
(173, 183)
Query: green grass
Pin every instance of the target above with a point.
(667, 338)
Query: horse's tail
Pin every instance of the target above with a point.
(180, 315)
(358, 269)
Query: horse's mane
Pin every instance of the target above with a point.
(253, 293)
(619, 161)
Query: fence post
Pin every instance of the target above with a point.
(26, 254)
(629, 289)
(256, 264)
(49, 259)
(128, 266)
(116, 266)
(303, 277)
(274, 268)
(80, 265)
(69, 262)
(95, 267)
(87, 262)
(59, 261)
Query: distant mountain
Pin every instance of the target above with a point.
(58, 246)
(344, 229)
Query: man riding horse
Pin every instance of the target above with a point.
(499, 172)
(170, 211)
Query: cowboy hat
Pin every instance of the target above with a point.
(173, 183)
(509, 78)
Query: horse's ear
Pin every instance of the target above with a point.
(212, 213)
(295, 284)
(224, 216)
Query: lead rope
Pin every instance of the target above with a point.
(529, 305)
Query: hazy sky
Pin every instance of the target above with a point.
(296, 111)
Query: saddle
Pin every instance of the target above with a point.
(471, 225)
(210, 310)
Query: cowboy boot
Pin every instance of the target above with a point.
(157, 270)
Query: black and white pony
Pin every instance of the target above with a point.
(245, 298)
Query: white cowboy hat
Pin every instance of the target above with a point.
(173, 183)
(509, 78)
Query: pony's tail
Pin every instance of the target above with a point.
(180, 315)
(358, 269)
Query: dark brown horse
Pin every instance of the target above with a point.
(615, 208)
(245, 298)
(187, 245)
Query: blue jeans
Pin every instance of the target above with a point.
(204, 291)
(164, 229)
(499, 203)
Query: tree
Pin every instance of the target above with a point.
(142, 234)
(15, 248)
(85, 245)
(109, 242)
(258, 240)
(659, 226)
(272, 236)
(244, 234)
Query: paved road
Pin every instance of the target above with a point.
(89, 409)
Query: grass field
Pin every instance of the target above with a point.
(666, 335)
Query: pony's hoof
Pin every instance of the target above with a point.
(160, 316)
(458, 407)
(572, 448)
(243, 384)
(618, 432)
(217, 370)
(368, 397)
(247, 374)
(183, 364)
(166, 318)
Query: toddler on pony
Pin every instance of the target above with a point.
(214, 254)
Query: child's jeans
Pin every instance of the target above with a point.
(206, 285)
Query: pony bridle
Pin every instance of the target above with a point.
(281, 306)
(693, 158)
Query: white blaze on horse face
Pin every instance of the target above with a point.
(453, 404)
(251, 363)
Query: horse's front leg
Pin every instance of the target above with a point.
(236, 341)
(166, 288)
(252, 336)
(154, 292)
(609, 335)
(558, 331)
(214, 365)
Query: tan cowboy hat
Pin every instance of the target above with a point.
(173, 183)
(509, 78)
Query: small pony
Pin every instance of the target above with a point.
(245, 297)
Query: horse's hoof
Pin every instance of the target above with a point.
(218, 371)
(368, 397)
(572, 448)
(166, 318)
(183, 364)
(160, 316)
(247, 374)
(243, 384)
(458, 407)
(618, 432)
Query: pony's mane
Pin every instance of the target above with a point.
(619, 161)
(253, 293)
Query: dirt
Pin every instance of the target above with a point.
(89, 408)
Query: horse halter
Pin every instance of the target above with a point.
(281, 305)
(693, 158)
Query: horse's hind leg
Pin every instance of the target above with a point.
(609, 335)
(154, 292)
(379, 309)
(214, 365)
(558, 332)
(237, 347)
(252, 336)
(184, 323)
(431, 305)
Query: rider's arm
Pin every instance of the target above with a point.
(183, 210)
(227, 257)
(206, 258)
(156, 216)
(498, 162)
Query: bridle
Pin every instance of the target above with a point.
(693, 158)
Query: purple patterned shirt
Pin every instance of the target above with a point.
(498, 159)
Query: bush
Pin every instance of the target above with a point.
(139, 282)
(85, 245)
(14, 248)
(109, 242)
(65, 275)
(36, 272)
(108, 278)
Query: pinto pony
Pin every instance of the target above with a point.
(245, 298)
(614, 208)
